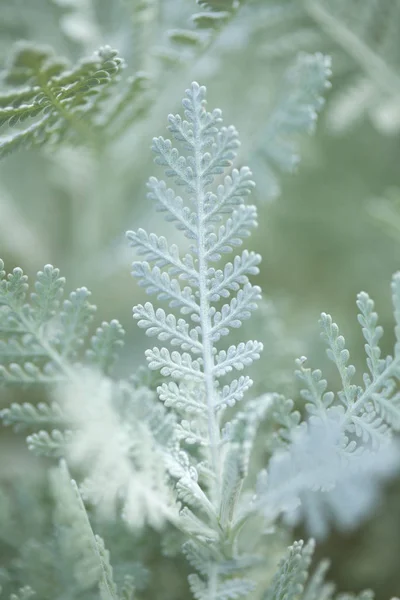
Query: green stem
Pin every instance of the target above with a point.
(84, 130)
(208, 357)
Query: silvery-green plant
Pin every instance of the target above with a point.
(215, 219)
(188, 462)
(212, 299)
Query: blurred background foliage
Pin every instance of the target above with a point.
(331, 230)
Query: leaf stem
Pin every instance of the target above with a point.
(205, 321)
(371, 389)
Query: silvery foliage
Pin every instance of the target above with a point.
(45, 100)
(126, 475)
(43, 342)
(329, 467)
(210, 301)
(345, 439)
(44, 333)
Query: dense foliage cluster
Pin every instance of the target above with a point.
(201, 461)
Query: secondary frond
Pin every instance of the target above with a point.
(350, 431)
(368, 412)
(295, 113)
(289, 580)
(51, 101)
(44, 335)
(292, 580)
(44, 339)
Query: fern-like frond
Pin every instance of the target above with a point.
(234, 392)
(173, 364)
(43, 335)
(215, 218)
(52, 101)
(293, 582)
(168, 202)
(346, 442)
(296, 111)
(228, 195)
(232, 314)
(237, 357)
(210, 148)
(231, 234)
(44, 341)
(378, 399)
(292, 573)
(366, 412)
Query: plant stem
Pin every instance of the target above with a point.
(205, 321)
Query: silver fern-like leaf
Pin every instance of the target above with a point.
(212, 213)
(215, 219)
